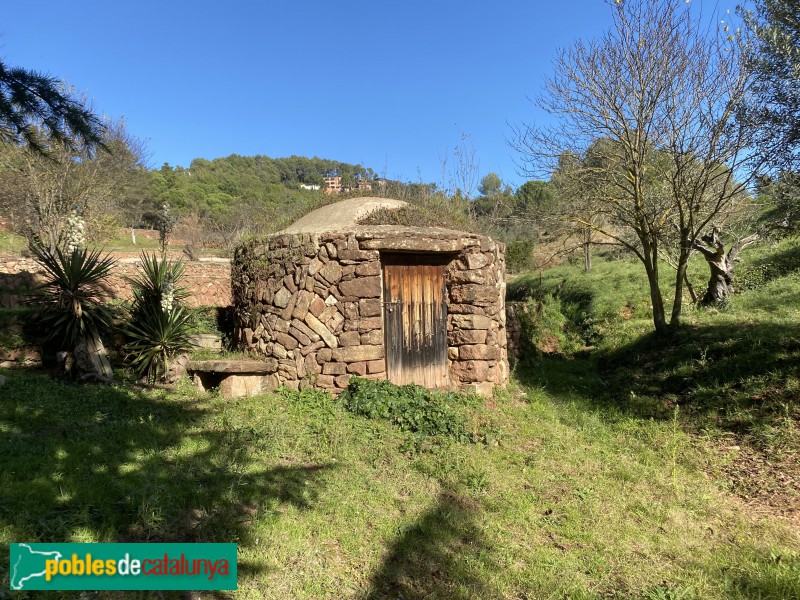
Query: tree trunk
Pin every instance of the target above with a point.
(659, 318)
(690, 287)
(91, 360)
(721, 264)
(651, 267)
(680, 279)
(587, 257)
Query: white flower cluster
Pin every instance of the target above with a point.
(75, 232)
(167, 295)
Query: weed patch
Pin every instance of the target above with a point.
(411, 408)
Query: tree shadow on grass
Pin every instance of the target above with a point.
(435, 557)
(114, 464)
(718, 373)
(731, 376)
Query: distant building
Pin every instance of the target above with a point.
(305, 186)
(333, 184)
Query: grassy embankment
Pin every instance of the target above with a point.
(610, 475)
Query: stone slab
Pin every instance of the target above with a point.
(266, 366)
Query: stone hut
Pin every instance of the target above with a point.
(328, 298)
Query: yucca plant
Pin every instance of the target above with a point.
(69, 304)
(157, 336)
(157, 283)
(159, 324)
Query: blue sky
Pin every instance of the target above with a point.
(390, 85)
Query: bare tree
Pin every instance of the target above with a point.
(41, 189)
(664, 86)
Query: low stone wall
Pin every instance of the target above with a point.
(311, 305)
(208, 279)
(514, 329)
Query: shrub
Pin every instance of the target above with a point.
(409, 407)
(519, 255)
(159, 324)
(69, 303)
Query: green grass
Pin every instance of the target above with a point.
(10, 243)
(569, 502)
(732, 372)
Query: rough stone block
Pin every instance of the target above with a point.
(332, 273)
(281, 298)
(288, 281)
(298, 324)
(314, 266)
(470, 322)
(328, 313)
(299, 336)
(317, 306)
(350, 338)
(369, 324)
(236, 386)
(335, 322)
(312, 348)
(334, 368)
(473, 294)
(372, 338)
(465, 309)
(304, 298)
(286, 315)
(323, 332)
(357, 368)
(282, 325)
(342, 381)
(358, 353)
(468, 277)
(369, 268)
(370, 307)
(477, 261)
(469, 371)
(326, 381)
(477, 352)
(376, 366)
(324, 355)
(362, 287)
(358, 255)
(459, 337)
(351, 310)
(287, 341)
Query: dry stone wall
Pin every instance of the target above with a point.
(208, 280)
(311, 304)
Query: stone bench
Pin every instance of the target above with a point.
(235, 378)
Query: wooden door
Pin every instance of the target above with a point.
(415, 319)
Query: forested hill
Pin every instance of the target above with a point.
(242, 172)
(238, 188)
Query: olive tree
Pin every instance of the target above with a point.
(664, 86)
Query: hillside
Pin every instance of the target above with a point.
(730, 377)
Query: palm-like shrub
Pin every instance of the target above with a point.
(159, 324)
(69, 307)
(157, 336)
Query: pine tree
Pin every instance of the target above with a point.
(36, 109)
